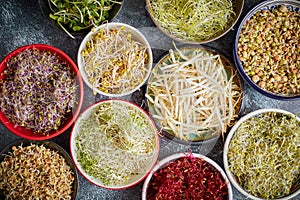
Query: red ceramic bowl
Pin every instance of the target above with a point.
(30, 134)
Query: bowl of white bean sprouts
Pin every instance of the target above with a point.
(115, 59)
(194, 94)
(114, 144)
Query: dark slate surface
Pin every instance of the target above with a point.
(22, 23)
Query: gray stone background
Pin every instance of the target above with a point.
(22, 23)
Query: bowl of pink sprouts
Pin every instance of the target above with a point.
(187, 176)
(41, 92)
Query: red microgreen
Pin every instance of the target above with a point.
(188, 177)
(38, 90)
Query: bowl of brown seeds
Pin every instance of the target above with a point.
(32, 169)
(267, 49)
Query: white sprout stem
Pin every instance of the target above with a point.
(193, 93)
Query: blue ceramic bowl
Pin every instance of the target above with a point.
(292, 5)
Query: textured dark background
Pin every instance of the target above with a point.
(22, 23)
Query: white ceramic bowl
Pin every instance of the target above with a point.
(136, 35)
(148, 158)
(230, 175)
(176, 156)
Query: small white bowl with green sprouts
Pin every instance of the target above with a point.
(115, 59)
(114, 144)
(261, 155)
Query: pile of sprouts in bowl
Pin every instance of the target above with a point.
(79, 16)
(194, 22)
(194, 94)
(115, 59)
(41, 91)
(187, 176)
(114, 144)
(261, 154)
(266, 49)
(37, 170)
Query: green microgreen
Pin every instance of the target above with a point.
(79, 15)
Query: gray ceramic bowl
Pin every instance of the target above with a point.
(237, 8)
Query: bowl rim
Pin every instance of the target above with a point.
(73, 144)
(110, 25)
(165, 31)
(26, 133)
(226, 149)
(176, 156)
(238, 62)
(238, 79)
(50, 145)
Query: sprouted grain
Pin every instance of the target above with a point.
(35, 172)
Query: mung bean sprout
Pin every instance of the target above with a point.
(191, 93)
(114, 62)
